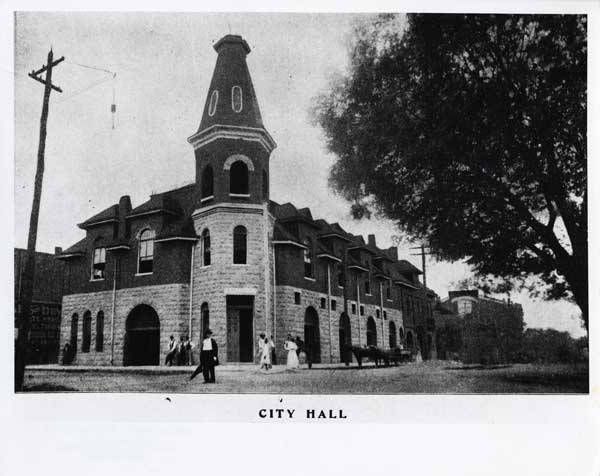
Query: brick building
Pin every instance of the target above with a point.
(492, 329)
(45, 307)
(218, 252)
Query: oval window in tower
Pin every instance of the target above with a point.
(236, 98)
(212, 105)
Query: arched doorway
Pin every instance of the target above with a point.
(345, 339)
(312, 337)
(142, 337)
(371, 332)
(409, 340)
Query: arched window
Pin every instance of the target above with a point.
(212, 105)
(86, 337)
(239, 245)
(393, 341)
(146, 252)
(100, 331)
(74, 331)
(205, 318)
(99, 263)
(401, 334)
(207, 182)
(308, 257)
(236, 99)
(206, 248)
(238, 178)
(265, 184)
(371, 332)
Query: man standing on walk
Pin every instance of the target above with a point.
(209, 358)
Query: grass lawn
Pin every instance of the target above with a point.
(426, 377)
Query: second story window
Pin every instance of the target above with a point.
(340, 275)
(239, 245)
(308, 267)
(388, 290)
(206, 248)
(368, 285)
(99, 264)
(146, 252)
(207, 182)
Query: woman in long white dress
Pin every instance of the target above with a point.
(292, 355)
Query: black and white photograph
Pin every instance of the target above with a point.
(378, 203)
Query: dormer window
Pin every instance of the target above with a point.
(236, 99)
(146, 252)
(308, 269)
(212, 105)
(99, 264)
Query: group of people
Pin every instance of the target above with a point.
(180, 353)
(295, 348)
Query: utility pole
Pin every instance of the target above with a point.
(22, 343)
(422, 254)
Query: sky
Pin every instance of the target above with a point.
(163, 64)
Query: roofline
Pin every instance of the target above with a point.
(331, 257)
(151, 212)
(339, 235)
(118, 247)
(402, 283)
(176, 238)
(224, 131)
(77, 254)
(289, 242)
(85, 224)
(355, 266)
(364, 247)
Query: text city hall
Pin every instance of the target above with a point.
(310, 413)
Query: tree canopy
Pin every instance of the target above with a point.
(469, 131)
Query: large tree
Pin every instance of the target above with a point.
(470, 132)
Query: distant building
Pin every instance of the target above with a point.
(46, 304)
(219, 253)
(492, 328)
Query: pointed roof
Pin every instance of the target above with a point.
(109, 214)
(231, 70)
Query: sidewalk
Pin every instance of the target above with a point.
(162, 369)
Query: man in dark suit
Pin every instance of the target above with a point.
(209, 358)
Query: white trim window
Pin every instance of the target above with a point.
(212, 105)
(236, 99)
(146, 252)
(99, 264)
(465, 306)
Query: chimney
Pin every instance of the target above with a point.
(57, 250)
(372, 241)
(393, 252)
(124, 210)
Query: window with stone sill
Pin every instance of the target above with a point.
(146, 252)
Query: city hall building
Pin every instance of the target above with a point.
(219, 253)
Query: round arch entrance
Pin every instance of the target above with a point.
(371, 332)
(312, 337)
(142, 337)
(345, 339)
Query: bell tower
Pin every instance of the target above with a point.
(232, 273)
(232, 146)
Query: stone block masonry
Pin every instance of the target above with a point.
(170, 301)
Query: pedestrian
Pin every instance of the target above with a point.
(273, 353)
(171, 351)
(304, 352)
(261, 349)
(266, 354)
(67, 354)
(209, 358)
(188, 351)
(292, 355)
(180, 355)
